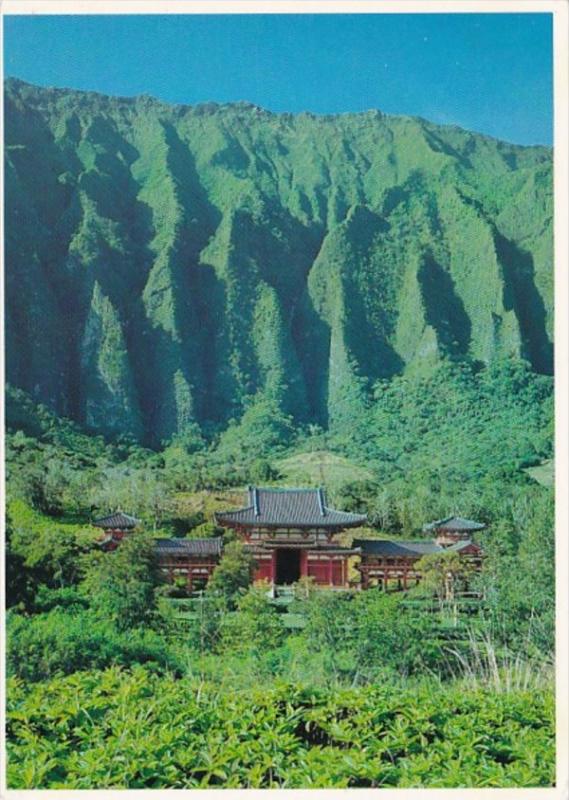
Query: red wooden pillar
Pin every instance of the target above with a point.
(330, 570)
(303, 563)
(273, 575)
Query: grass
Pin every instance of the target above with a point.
(207, 501)
(294, 621)
(320, 468)
(544, 473)
(24, 517)
(483, 664)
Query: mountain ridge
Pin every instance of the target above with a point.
(13, 82)
(179, 266)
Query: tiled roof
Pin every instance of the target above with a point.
(118, 521)
(188, 547)
(294, 508)
(386, 547)
(454, 524)
(462, 545)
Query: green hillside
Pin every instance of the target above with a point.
(320, 468)
(172, 265)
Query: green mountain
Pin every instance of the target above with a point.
(168, 265)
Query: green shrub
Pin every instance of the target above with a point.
(121, 585)
(256, 628)
(69, 597)
(137, 730)
(233, 575)
(59, 642)
(367, 635)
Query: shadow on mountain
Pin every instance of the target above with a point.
(444, 309)
(519, 276)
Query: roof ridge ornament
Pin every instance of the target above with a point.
(321, 501)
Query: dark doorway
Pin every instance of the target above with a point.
(288, 566)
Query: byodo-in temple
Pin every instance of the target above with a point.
(293, 533)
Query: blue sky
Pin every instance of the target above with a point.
(486, 72)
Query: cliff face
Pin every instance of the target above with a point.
(167, 264)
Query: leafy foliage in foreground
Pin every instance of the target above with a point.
(137, 730)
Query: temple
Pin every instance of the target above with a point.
(391, 564)
(190, 561)
(292, 533)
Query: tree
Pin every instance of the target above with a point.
(329, 627)
(443, 574)
(262, 471)
(140, 491)
(122, 585)
(519, 576)
(261, 432)
(388, 637)
(65, 641)
(256, 627)
(205, 530)
(19, 578)
(51, 554)
(233, 574)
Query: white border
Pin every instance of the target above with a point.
(281, 6)
(559, 8)
(561, 261)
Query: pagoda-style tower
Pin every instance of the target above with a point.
(452, 530)
(291, 534)
(116, 526)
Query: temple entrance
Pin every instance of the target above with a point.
(288, 566)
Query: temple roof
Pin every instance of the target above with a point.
(118, 521)
(402, 549)
(464, 544)
(387, 547)
(188, 547)
(454, 524)
(294, 508)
